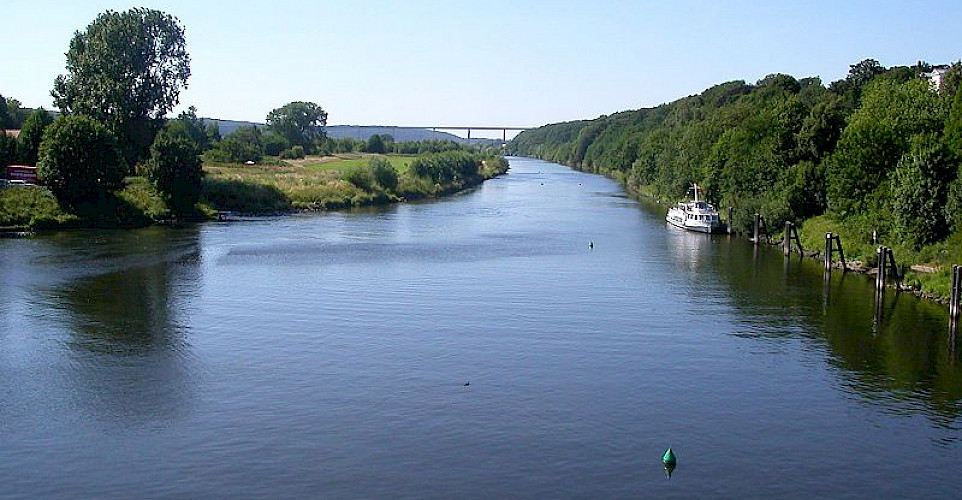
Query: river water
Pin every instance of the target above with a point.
(472, 347)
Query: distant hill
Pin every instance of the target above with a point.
(363, 132)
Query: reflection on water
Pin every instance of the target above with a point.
(123, 302)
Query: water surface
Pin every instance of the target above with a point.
(327, 356)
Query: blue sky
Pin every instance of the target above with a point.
(497, 63)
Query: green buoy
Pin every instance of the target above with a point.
(669, 457)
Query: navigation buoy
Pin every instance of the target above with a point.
(591, 244)
(467, 384)
(669, 457)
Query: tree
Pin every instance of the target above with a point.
(80, 161)
(31, 135)
(274, 143)
(189, 126)
(375, 145)
(920, 191)
(876, 137)
(126, 70)
(5, 121)
(213, 133)
(299, 122)
(243, 144)
(175, 170)
(8, 149)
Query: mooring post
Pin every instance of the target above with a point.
(828, 251)
(896, 275)
(880, 277)
(956, 297)
(787, 242)
(755, 233)
(841, 254)
(730, 230)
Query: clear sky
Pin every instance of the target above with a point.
(487, 63)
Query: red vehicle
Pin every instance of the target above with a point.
(22, 173)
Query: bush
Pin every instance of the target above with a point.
(80, 161)
(176, 171)
(361, 178)
(383, 173)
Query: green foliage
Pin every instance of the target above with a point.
(126, 70)
(212, 131)
(301, 123)
(375, 145)
(273, 143)
(447, 167)
(189, 126)
(31, 206)
(920, 191)
(80, 162)
(877, 136)
(31, 135)
(5, 120)
(383, 174)
(294, 153)
(953, 126)
(175, 170)
(8, 150)
(362, 178)
(244, 144)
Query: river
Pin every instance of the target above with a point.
(471, 347)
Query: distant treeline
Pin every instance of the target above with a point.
(880, 148)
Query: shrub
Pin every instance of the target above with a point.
(176, 171)
(80, 161)
(383, 173)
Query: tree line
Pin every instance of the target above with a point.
(880, 148)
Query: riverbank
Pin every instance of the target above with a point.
(925, 271)
(271, 187)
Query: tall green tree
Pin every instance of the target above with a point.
(80, 161)
(375, 145)
(876, 137)
(8, 150)
(5, 121)
(920, 190)
(126, 70)
(299, 122)
(31, 135)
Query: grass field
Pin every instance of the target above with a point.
(347, 162)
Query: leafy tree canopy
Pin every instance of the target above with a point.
(31, 134)
(126, 70)
(299, 122)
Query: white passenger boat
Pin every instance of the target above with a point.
(695, 215)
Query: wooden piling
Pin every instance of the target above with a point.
(841, 254)
(791, 234)
(882, 267)
(730, 230)
(828, 251)
(954, 306)
(758, 221)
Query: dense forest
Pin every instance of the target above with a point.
(879, 149)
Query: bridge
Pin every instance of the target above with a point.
(504, 130)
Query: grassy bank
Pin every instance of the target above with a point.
(926, 269)
(270, 187)
(325, 183)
